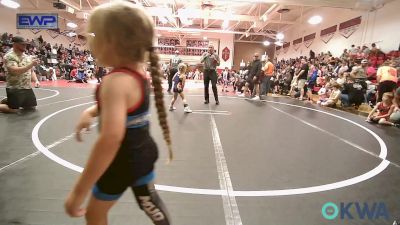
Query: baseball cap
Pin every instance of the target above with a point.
(19, 40)
(364, 61)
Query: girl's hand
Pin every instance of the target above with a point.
(73, 204)
(85, 121)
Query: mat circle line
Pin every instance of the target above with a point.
(283, 192)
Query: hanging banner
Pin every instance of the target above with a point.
(70, 38)
(82, 39)
(308, 40)
(225, 54)
(35, 31)
(327, 34)
(278, 50)
(346, 29)
(37, 20)
(53, 34)
(286, 47)
(296, 43)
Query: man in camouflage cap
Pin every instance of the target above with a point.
(19, 74)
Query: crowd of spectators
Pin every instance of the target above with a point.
(359, 76)
(56, 61)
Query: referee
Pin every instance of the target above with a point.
(19, 74)
(211, 61)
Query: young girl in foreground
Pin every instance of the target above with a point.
(382, 111)
(120, 36)
(179, 84)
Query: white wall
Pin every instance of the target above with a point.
(8, 23)
(381, 26)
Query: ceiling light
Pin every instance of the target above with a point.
(72, 25)
(204, 38)
(247, 34)
(266, 43)
(71, 34)
(280, 36)
(315, 20)
(10, 3)
(279, 43)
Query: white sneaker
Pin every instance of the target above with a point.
(172, 108)
(187, 109)
(256, 98)
(242, 95)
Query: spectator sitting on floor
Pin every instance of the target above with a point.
(81, 76)
(382, 111)
(333, 97)
(342, 78)
(395, 116)
(323, 94)
(353, 92)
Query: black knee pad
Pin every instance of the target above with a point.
(149, 201)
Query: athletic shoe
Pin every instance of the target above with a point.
(187, 110)
(217, 102)
(172, 108)
(242, 95)
(256, 98)
(206, 102)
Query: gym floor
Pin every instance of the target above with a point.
(275, 162)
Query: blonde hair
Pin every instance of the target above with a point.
(122, 33)
(182, 66)
(388, 95)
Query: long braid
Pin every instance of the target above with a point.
(159, 99)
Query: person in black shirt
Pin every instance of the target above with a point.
(353, 92)
(302, 77)
(253, 75)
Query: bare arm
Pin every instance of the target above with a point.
(388, 114)
(373, 111)
(34, 77)
(13, 67)
(183, 82)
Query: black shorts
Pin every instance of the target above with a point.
(132, 166)
(176, 90)
(17, 98)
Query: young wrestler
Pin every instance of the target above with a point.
(120, 36)
(179, 84)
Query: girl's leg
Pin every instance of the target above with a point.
(171, 106)
(149, 201)
(97, 211)
(186, 107)
(383, 121)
